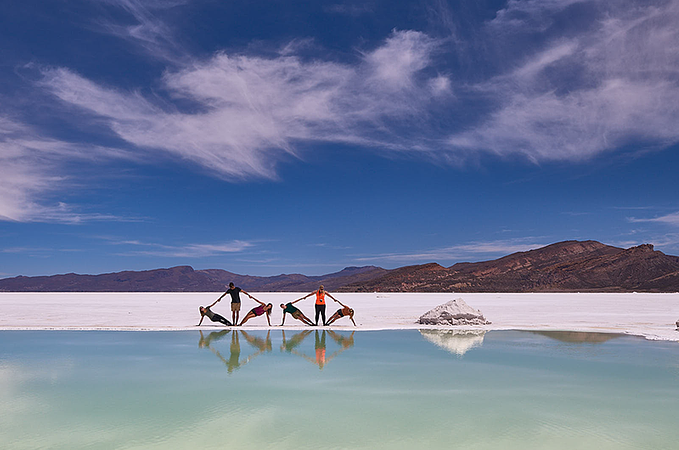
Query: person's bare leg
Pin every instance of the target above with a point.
(332, 318)
(247, 317)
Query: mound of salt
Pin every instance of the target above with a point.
(454, 312)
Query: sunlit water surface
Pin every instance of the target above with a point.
(327, 390)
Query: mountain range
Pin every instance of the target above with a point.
(568, 266)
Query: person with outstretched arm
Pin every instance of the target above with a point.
(234, 292)
(288, 308)
(342, 312)
(258, 311)
(320, 302)
(205, 311)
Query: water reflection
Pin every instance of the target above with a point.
(320, 357)
(578, 337)
(234, 361)
(460, 342)
(457, 342)
(291, 344)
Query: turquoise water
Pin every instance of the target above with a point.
(332, 390)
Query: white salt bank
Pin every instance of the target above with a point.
(650, 315)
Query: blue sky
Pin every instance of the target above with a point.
(267, 137)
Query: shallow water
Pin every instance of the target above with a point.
(322, 389)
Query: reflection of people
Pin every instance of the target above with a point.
(263, 345)
(343, 341)
(234, 292)
(321, 359)
(342, 312)
(290, 344)
(206, 311)
(204, 342)
(258, 311)
(320, 302)
(288, 308)
(234, 362)
(319, 347)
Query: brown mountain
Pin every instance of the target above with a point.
(562, 267)
(568, 266)
(185, 279)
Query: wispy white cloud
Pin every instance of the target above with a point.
(583, 92)
(187, 251)
(253, 110)
(529, 15)
(587, 93)
(667, 219)
(458, 253)
(148, 31)
(353, 9)
(31, 167)
(576, 95)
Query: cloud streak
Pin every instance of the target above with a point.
(249, 112)
(579, 94)
(583, 93)
(189, 250)
(31, 168)
(458, 253)
(668, 219)
(591, 88)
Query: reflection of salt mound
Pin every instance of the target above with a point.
(455, 312)
(455, 341)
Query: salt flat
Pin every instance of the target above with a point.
(650, 315)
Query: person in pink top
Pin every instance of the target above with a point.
(258, 311)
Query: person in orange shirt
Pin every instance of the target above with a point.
(320, 302)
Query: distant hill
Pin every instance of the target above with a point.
(562, 267)
(185, 279)
(569, 266)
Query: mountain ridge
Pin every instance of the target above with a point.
(568, 266)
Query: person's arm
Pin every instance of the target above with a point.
(268, 313)
(261, 303)
(216, 301)
(328, 294)
(282, 323)
(202, 316)
(312, 293)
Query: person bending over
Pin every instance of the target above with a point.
(320, 302)
(205, 311)
(344, 311)
(288, 308)
(258, 311)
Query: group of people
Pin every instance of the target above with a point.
(266, 308)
